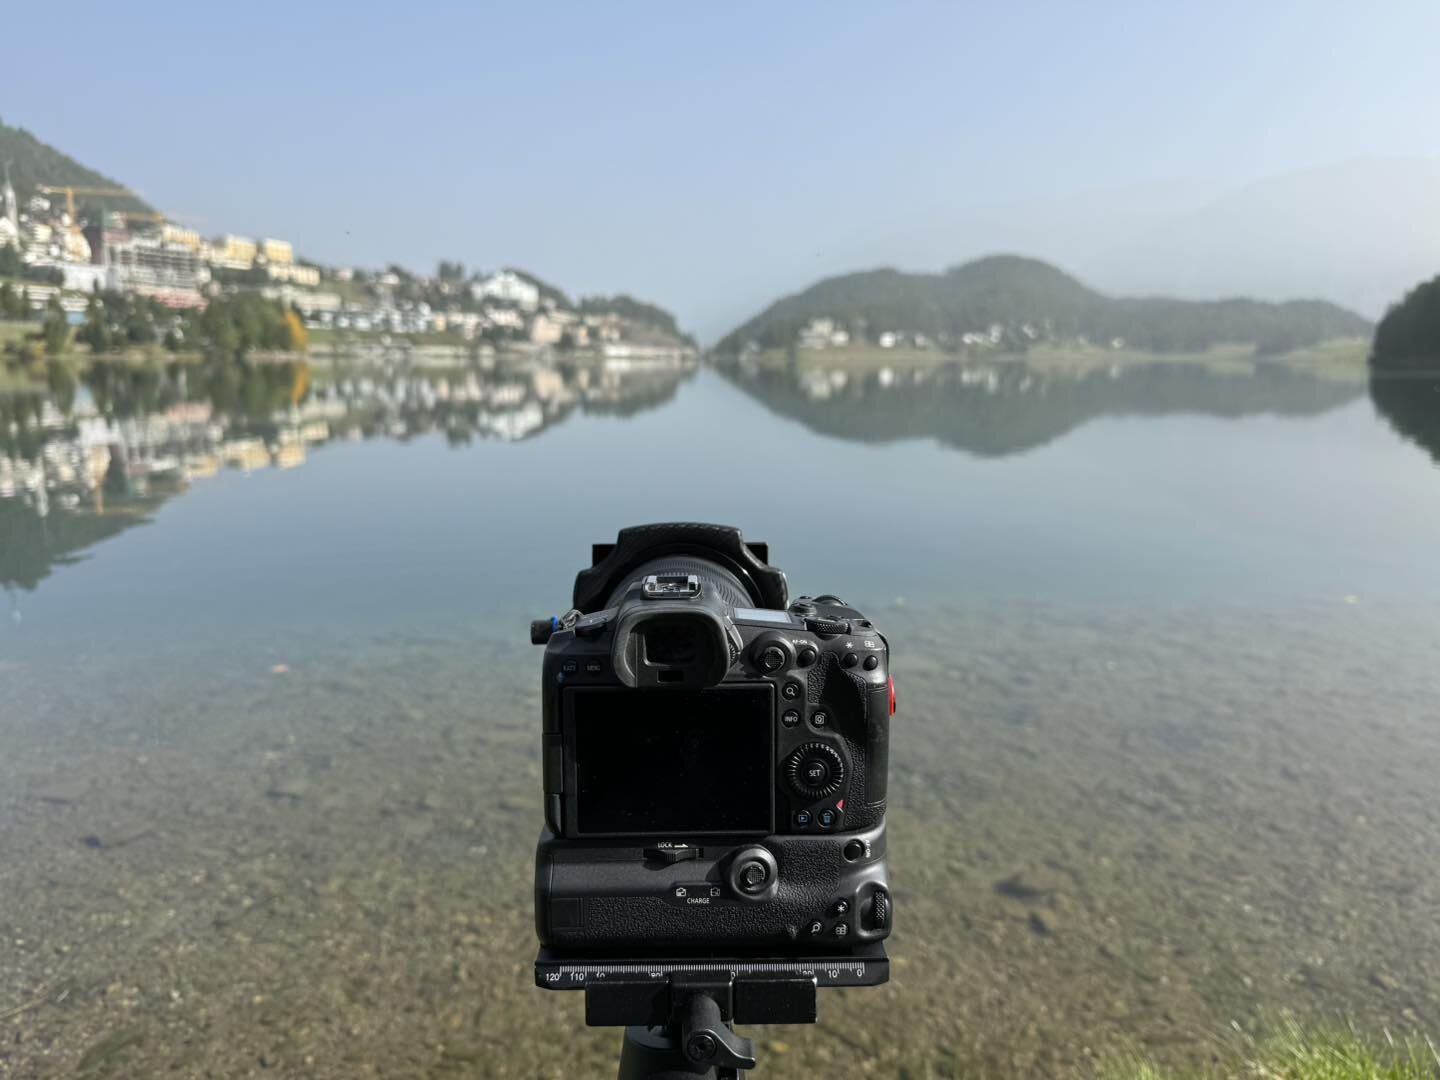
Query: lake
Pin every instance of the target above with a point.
(1166, 646)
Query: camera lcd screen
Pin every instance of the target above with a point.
(655, 762)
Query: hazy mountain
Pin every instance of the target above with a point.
(1359, 233)
(1029, 300)
(33, 162)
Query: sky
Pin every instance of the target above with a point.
(712, 157)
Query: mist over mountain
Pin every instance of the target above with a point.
(1359, 233)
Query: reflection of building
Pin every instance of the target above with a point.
(92, 464)
(1008, 407)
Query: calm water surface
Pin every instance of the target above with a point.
(1165, 644)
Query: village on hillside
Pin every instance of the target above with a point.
(57, 244)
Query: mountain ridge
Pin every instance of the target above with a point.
(33, 162)
(1031, 300)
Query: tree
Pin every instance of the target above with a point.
(10, 264)
(298, 336)
(299, 382)
(1408, 337)
(95, 332)
(139, 327)
(56, 331)
(60, 377)
(11, 306)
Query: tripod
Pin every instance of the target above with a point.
(679, 1015)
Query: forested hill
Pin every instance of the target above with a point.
(33, 162)
(1408, 337)
(1011, 301)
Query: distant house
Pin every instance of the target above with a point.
(545, 329)
(508, 286)
(824, 334)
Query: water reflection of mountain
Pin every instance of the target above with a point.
(76, 472)
(1006, 408)
(1411, 403)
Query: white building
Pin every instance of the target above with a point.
(822, 334)
(509, 286)
(9, 213)
(308, 302)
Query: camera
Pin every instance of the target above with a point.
(715, 757)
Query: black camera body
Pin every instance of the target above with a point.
(715, 758)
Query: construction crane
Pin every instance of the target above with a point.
(143, 215)
(70, 191)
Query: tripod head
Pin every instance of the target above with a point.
(679, 1012)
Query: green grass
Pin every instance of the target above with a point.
(16, 330)
(1294, 1052)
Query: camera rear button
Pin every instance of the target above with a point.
(790, 718)
(802, 818)
(819, 718)
(827, 818)
(791, 691)
(849, 659)
(817, 927)
(872, 662)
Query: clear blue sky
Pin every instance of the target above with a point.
(707, 156)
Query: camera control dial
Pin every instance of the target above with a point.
(815, 770)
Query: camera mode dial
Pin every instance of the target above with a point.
(815, 770)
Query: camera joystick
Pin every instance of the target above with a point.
(753, 873)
